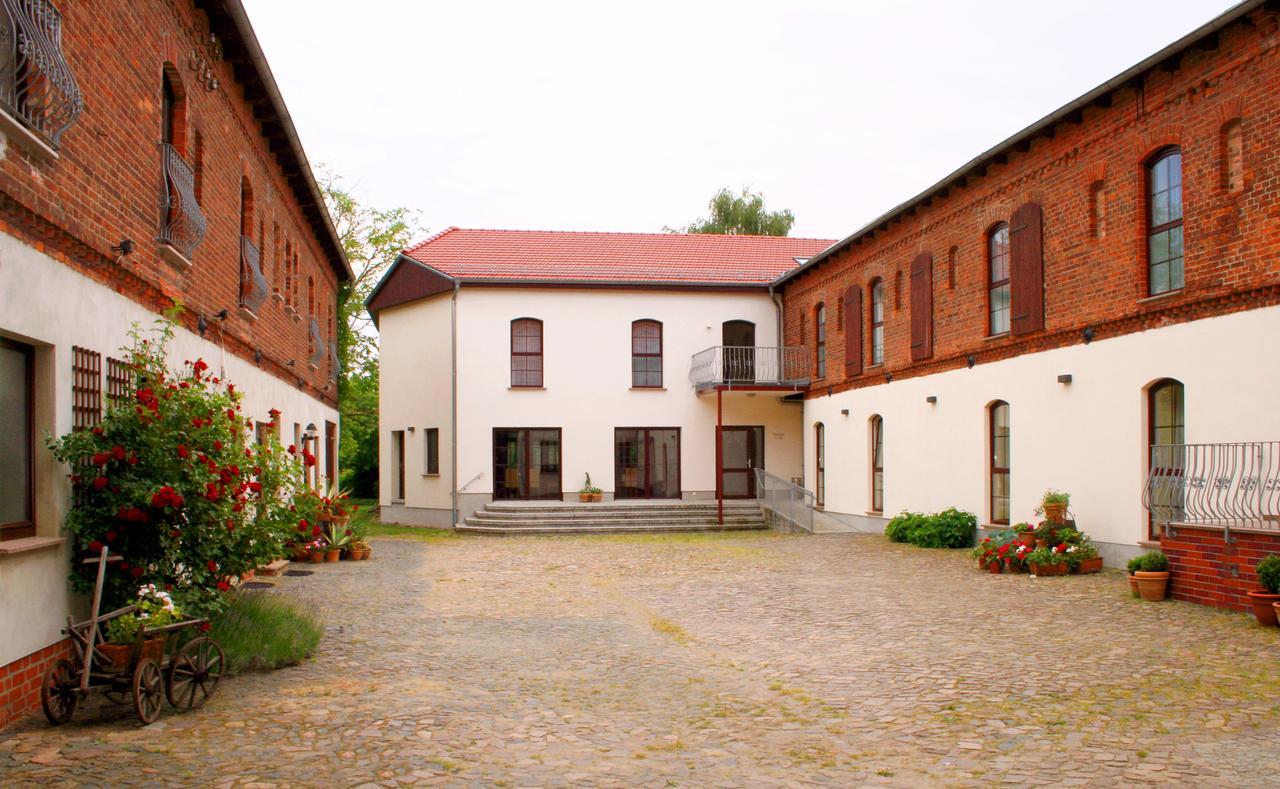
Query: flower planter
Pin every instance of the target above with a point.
(1276, 606)
(117, 655)
(1152, 586)
(1133, 584)
(1055, 513)
(1088, 566)
(1042, 543)
(333, 556)
(315, 557)
(597, 497)
(994, 567)
(1059, 568)
(300, 554)
(1264, 607)
(1028, 539)
(584, 497)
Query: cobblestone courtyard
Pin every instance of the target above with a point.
(751, 659)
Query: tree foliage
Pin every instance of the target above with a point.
(741, 215)
(372, 238)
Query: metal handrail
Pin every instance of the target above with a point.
(183, 224)
(253, 285)
(36, 84)
(745, 365)
(791, 502)
(1230, 485)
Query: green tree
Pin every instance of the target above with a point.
(741, 215)
(372, 238)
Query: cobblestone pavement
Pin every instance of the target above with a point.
(733, 660)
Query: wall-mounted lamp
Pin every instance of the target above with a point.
(221, 315)
(971, 361)
(888, 378)
(409, 428)
(123, 250)
(310, 433)
(829, 391)
(844, 412)
(1065, 378)
(931, 399)
(1087, 334)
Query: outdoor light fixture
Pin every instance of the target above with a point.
(257, 356)
(310, 433)
(888, 378)
(221, 314)
(409, 428)
(971, 361)
(1065, 378)
(931, 399)
(844, 412)
(1087, 334)
(124, 249)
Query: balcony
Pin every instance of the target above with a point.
(253, 286)
(1222, 485)
(183, 226)
(38, 92)
(752, 368)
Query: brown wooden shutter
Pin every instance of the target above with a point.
(1026, 270)
(853, 331)
(922, 307)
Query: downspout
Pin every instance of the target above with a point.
(776, 298)
(453, 402)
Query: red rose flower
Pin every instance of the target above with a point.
(100, 483)
(231, 387)
(213, 566)
(111, 536)
(217, 445)
(1062, 548)
(95, 546)
(117, 452)
(100, 458)
(136, 572)
(196, 423)
(273, 413)
(223, 586)
(315, 531)
(293, 450)
(183, 452)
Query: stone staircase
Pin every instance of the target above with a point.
(504, 517)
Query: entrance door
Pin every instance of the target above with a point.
(646, 462)
(742, 451)
(739, 340)
(526, 463)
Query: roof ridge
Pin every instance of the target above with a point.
(652, 234)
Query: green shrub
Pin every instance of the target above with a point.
(1153, 562)
(264, 632)
(950, 528)
(1134, 565)
(1269, 573)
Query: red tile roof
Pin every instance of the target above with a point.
(552, 256)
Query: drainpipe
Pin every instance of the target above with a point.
(453, 401)
(776, 298)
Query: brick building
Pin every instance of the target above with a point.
(1076, 308)
(146, 159)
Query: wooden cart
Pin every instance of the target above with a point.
(162, 662)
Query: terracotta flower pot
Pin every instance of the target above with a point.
(597, 497)
(1276, 606)
(300, 554)
(1152, 586)
(1059, 568)
(1264, 607)
(1088, 566)
(994, 567)
(1028, 539)
(1042, 543)
(1055, 513)
(315, 557)
(333, 556)
(1133, 584)
(584, 497)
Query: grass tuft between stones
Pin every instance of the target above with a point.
(262, 632)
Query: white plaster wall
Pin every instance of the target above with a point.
(1087, 437)
(48, 305)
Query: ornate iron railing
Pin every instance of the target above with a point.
(317, 345)
(253, 286)
(788, 500)
(743, 366)
(335, 364)
(36, 85)
(1228, 485)
(183, 224)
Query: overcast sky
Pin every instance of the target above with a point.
(629, 116)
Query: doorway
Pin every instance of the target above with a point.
(646, 463)
(739, 341)
(742, 452)
(526, 463)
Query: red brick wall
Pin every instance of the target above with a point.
(1205, 569)
(1232, 238)
(107, 184)
(20, 681)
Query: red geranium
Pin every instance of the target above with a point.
(100, 483)
(183, 452)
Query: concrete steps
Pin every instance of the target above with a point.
(610, 518)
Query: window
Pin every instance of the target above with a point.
(16, 446)
(877, 322)
(86, 388)
(998, 280)
(1166, 434)
(37, 88)
(397, 464)
(1164, 222)
(820, 336)
(526, 463)
(877, 464)
(820, 465)
(431, 450)
(1233, 156)
(182, 224)
(998, 419)
(646, 354)
(526, 352)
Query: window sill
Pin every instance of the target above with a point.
(276, 295)
(648, 388)
(1161, 296)
(397, 501)
(874, 513)
(173, 257)
(247, 314)
(29, 544)
(16, 131)
(993, 526)
(526, 388)
(430, 474)
(1004, 335)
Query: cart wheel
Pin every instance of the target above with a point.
(148, 690)
(194, 673)
(60, 692)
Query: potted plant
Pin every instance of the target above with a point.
(988, 555)
(1025, 534)
(125, 643)
(1048, 561)
(1152, 576)
(1266, 602)
(1053, 505)
(1046, 535)
(1016, 560)
(316, 550)
(590, 492)
(1082, 555)
(1132, 567)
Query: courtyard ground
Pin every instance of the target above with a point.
(728, 660)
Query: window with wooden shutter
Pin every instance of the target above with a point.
(922, 307)
(1026, 270)
(853, 331)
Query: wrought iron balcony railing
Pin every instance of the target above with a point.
(253, 286)
(318, 346)
(183, 224)
(745, 366)
(1227, 485)
(335, 364)
(36, 85)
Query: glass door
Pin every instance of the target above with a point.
(526, 463)
(646, 463)
(739, 360)
(741, 452)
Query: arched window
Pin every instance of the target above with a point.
(998, 423)
(877, 322)
(646, 354)
(820, 465)
(526, 352)
(877, 463)
(820, 337)
(173, 110)
(1164, 222)
(998, 280)
(1167, 436)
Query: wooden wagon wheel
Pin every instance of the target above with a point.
(148, 690)
(60, 692)
(194, 673)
